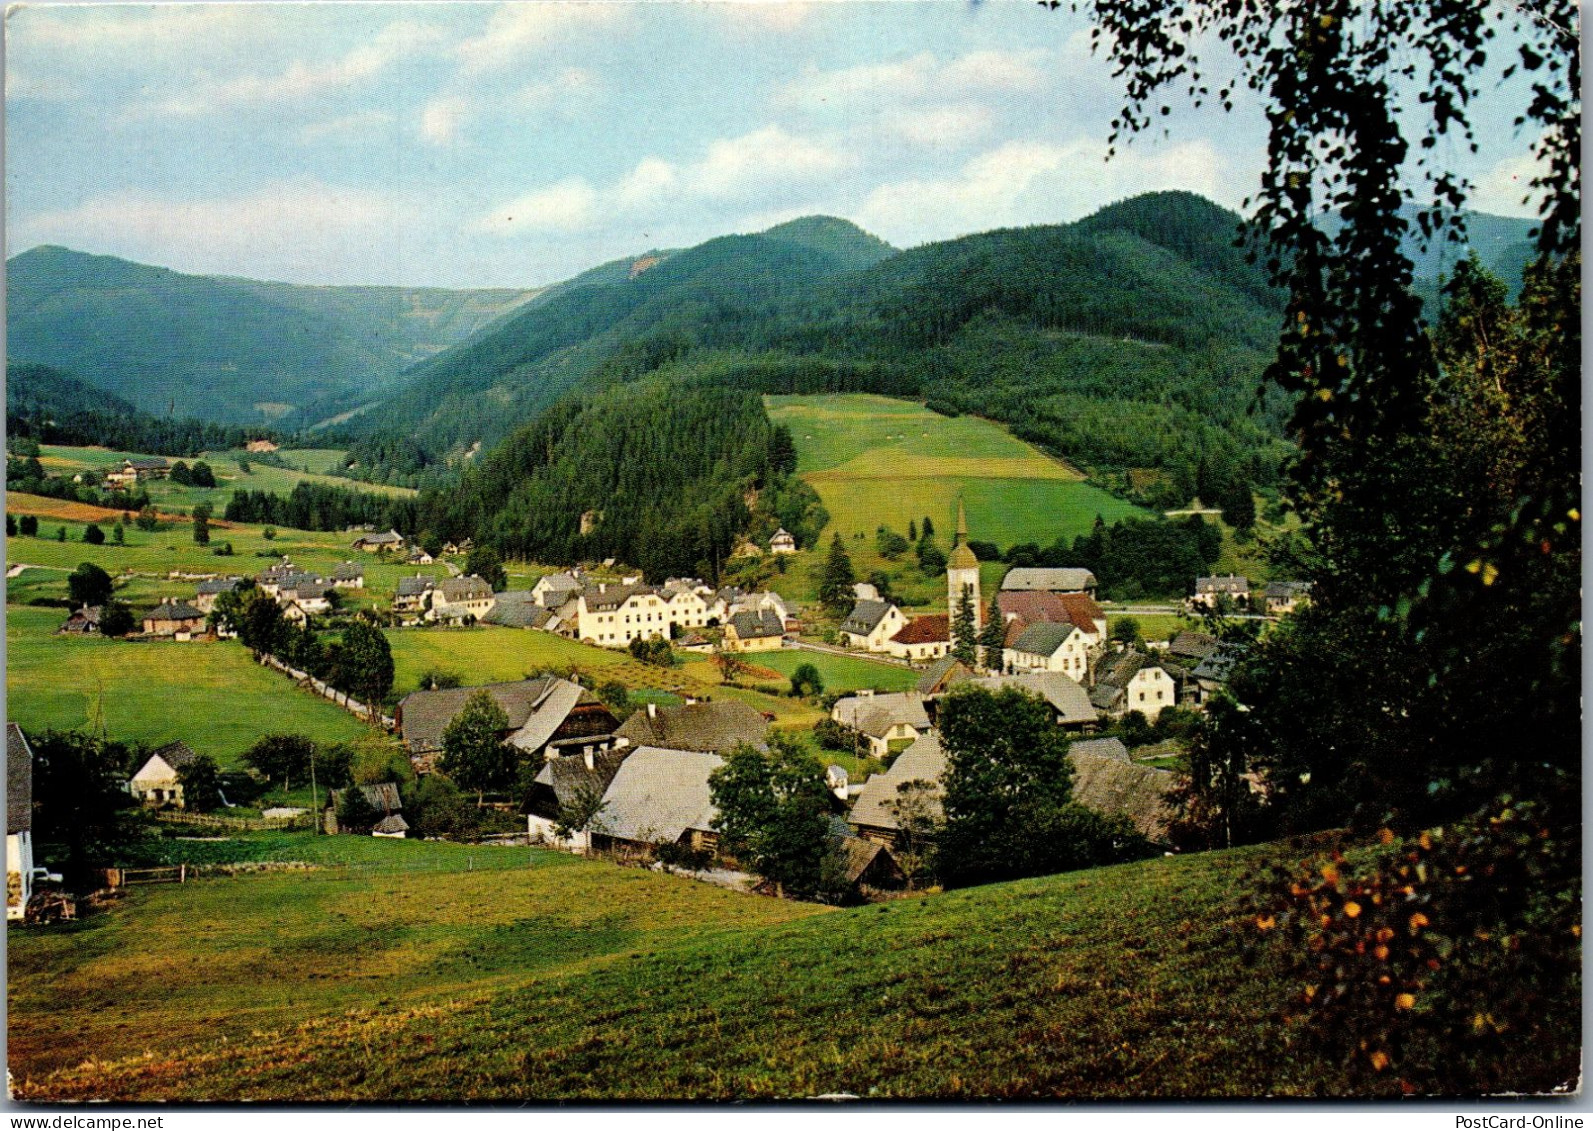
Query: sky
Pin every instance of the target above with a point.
(474, 145)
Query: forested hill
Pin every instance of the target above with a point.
(619, 324)
(229, 350)
(1130, 340)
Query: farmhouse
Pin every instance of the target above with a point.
(516, 608)
(386, 543)
(1036, 607)
(157, 783)
(659, 796)
(1284, 596)
(311, 593)
(135, 469)
(1132, 681)
(1211, 676)
(865, 864)
(19, 822)
(554, 589)
(349, 576)
(271, 578)
(208, 590)
(876, 815)
(568, 782)
(754, 632)
(871, 624)
(1024, 579)
(413, 594)
(1117, 787)
(922, 638)
(614, 615)
(782, 542)
(539, 710)
(84, 620)
(173, 618)
(1212, 591)
(718, 726)
(382, 797)
(940, 675)
(885, 720)
(456, 598)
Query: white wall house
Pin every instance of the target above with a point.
(614, 615)
(871, 626)
(1047, 647)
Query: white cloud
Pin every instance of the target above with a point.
(650, 182)
(518, 29)
(921, 76)
(939, 127)
(1037, 182)
(558, 91)
(759, 159)
(568, 206)
(301, 79)
(758, 16)
(441, 118)
(349, 127)
(287, 229)
(1018, 71)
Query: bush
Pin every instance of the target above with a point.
(831, 735)
(29, 525)
(93, 535)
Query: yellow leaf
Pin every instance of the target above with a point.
(1352, 910)
(1405, 1001)
(1330, 873)
(1327, 21)
(1265, 922)
(1382, 953)
(1418, 921)
(1386, 836)
(1380, 1060)
(1490, 574)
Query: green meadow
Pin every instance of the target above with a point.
(876, 460)
(840, 673)
(209, 694)
(229, 471)
(553, 978)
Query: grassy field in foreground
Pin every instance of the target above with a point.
(875, 460)
(211, 695)
(238, 963)
(577, 980)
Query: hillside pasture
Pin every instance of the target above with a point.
(841, 673)
(881, 461)
(573, 980)
(414, 929)
(209, 694)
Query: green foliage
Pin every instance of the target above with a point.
(1126, 630)
(806, 681)
(78, 800)
(1008, 784)
(484, 562)
(773, 814)
(434, 807)
(581, 812)
(146, 520)
(993, 636)
(837, 579)
(1450, 961)
(28, 526)
(438, 679)
(890, 544)
(88, 584)
(616, 697)
(474, 751)
(93, 535)
(322, 506)
(831, 735)
(653, 650)
(281, 758)
(965, 641)
(60, 534)
(118, 534)
(11, 526)
(116, 619)
(201, 782)
(201, 527)
(364, 667)
(931, 558)
(355, 813)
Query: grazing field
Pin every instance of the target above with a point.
(876, 460)
(229, 472)
(416, 930)
(841, 673)
(210, 694)
(572, 980)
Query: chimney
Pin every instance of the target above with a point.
(652, 710)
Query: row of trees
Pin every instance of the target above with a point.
(320, 506)
(359, 663)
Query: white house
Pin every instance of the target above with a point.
(898, 717)
(782, 542)
(156, 782)
(456, 598)
(1132, 681)
(1211, 590)
(922, 639)
(19, 822)
(614, 615)
(1048, 647)
(871, 625)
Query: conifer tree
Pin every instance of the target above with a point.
(835, 585)
(964, 637)
(993, 636)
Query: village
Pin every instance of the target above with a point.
(631, 782)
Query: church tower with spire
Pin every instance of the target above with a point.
(962, 576)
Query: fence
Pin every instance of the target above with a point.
(176, 874)
(353, 706)
(235, 824)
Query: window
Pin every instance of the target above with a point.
(1142, 697)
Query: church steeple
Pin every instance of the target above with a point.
(962, 576)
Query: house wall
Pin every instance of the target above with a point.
(541, 831)
(19, 873)
(933, 650)
(1151, 691)
(1072, 659)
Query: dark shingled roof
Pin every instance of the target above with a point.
(752, 626)
(415, 586)
(923, 761)
(1043, 639)
(1065, 695)
(613, 596)
(1216, 666)
(382, 796)
(1114, 788)
(174, 754)
(865, 617)
(348, 571)
(562, 780)
(19, 781)
(219, 584)
(470, 588)
(174, 610)
(1101, 748)
(940, 673)
(875, 715)
(424, 715)
(1040, 579)
(1192, 645)
(146, 463)
(517, 609)
(393, 823)
(716, 727)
